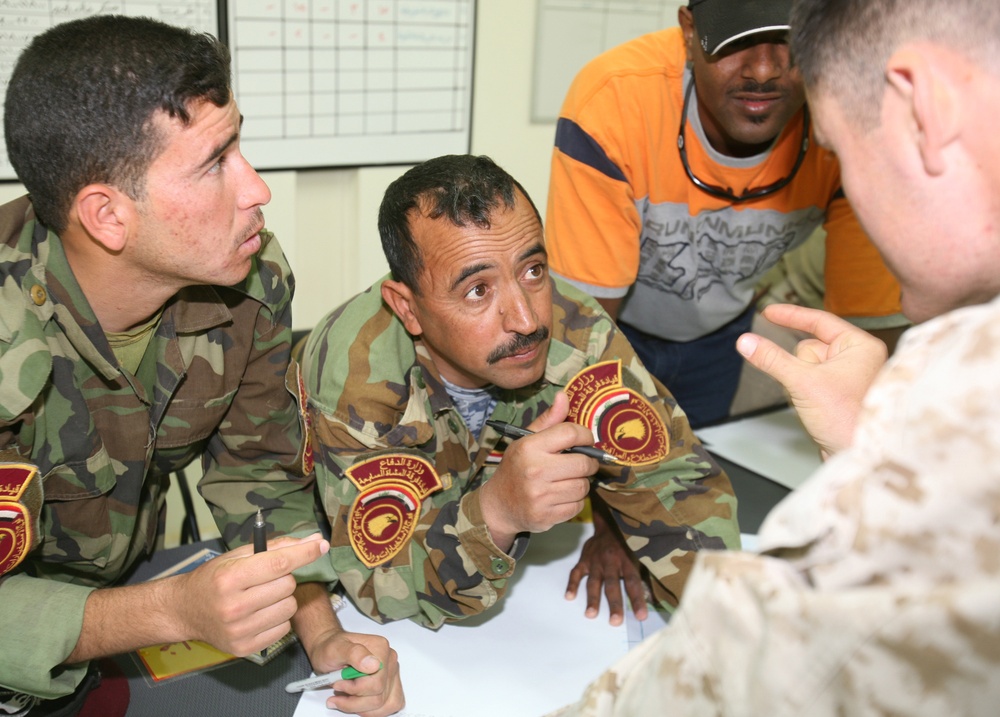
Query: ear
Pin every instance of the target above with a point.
(922, 87)
(400, 299)
(104, 212)
(686, 20)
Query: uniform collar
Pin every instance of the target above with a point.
(193, 309)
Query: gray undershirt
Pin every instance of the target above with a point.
(474, 405)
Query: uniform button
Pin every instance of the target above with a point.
(500, 566)
(38, 294)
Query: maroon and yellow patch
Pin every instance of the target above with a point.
(20, 508)
(385, 513)
(623, 422)
(308, 460)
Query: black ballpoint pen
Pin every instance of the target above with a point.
(259, 533)
(260, 545)
(512, 431)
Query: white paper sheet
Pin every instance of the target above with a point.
(774, 444)
(532, 653)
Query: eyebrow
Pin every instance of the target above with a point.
(531, 251)
(221, 148)
(469, 271)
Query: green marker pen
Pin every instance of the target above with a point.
(320, 681)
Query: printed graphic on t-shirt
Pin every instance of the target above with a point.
(686, 258)
(696, 274)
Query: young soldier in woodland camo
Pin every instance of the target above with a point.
(145, 323)
(431, 508)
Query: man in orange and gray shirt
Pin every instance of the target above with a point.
(684, 168)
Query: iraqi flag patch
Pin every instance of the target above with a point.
(384, 515)
(623, 422)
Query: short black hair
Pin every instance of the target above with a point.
(81, 100)
(843, 46)
(463, 187)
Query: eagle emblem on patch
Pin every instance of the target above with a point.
(384, 515)
(624, 422)
(20, 509)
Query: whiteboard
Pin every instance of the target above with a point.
(352, 82)
(21, 20)
(320, 83)
(569, 33)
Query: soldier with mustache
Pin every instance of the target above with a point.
(430, 507)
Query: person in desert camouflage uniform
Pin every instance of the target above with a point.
(878, 588)
(431, 509)
(145, 323)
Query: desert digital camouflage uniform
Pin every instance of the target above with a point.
(374, 393)
(211, 385)
(878, 590)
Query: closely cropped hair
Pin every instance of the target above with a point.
(462, 187)
(844, 46)
(82, 97)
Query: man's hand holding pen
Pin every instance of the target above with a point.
(511, 431)
(538, 483)
(240, 602)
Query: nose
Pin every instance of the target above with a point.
(766, 61)
(254, 191)
(517, 313)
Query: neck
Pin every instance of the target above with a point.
(119, 299)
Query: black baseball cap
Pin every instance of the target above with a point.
(720, 22)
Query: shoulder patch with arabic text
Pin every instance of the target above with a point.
(623, 421)
(20, 511)
(385, 513)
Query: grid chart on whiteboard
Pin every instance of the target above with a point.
(21, 20)
(351, 81)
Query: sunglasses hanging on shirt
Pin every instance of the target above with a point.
(727, 193)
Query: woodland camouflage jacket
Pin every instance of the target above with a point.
(398, 470)
(212, 385)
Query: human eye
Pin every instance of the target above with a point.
(216, 167)
(535, 272)
(223, 155)
(476, 293)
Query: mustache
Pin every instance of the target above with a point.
(255, 226)
(519, 344)
(752, 87)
